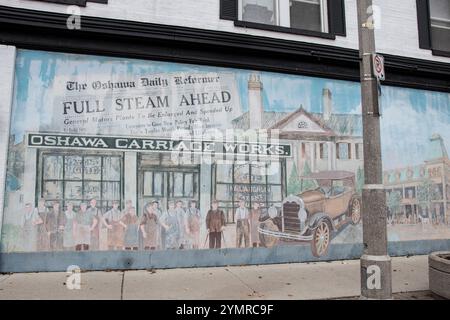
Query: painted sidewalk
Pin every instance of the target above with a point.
(332, 280)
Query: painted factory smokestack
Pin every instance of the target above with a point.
(327, 104)
(255, 104)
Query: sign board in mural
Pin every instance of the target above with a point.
(157, 145)
(273, 159)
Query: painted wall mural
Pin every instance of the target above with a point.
(122, 154)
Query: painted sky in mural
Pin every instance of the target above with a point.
(37, 71)
(410, 118)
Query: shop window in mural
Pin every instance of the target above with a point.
(122, 154)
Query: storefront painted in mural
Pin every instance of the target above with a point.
(112, 154)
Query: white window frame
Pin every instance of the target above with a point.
(283, 17)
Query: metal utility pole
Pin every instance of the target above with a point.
(376, 281)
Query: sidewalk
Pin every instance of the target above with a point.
(290, 281)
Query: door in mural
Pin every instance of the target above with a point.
(166, 184)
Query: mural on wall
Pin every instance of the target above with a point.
(415, 139)
(121, 154)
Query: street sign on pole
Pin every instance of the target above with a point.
(376, 275)
(378, 67)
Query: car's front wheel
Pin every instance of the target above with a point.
(268, 241)
(355, 211)
(321, 239)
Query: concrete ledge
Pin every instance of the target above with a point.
(127, 260)
(439, 273)
(323, 280)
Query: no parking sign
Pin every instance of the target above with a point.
(378, 66)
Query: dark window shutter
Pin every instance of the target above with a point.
(229, 9)
(336, 16)
(423, 22)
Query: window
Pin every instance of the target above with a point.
(359, 151)
(434, 25)
(80, 178)
(440, 24)
(256, 182)
(309, 15)
(296, 14)
(181, 184)
(323, 151)
(325, 18)
(259, 11)
(344, 151)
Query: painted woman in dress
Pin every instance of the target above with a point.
(115, 229)
(30, 223)
(150, 225)
(162, 229)
(67, 223)
(193, 223)
(172, 222)
(130, 222)
(182, 220)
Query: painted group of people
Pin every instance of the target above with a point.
(247, 224)
(53, 229)
(178, 227)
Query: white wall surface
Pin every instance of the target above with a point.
(7, 58)
(398, 34)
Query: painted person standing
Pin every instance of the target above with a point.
(128, 206)
(115, 229)
(184, 232)
(215, 225)
(255, 215)
(52, 227)
(85, 223)
(162, 229)
(67, 223)
(30, 222)
(193, 223)
(150, 225)
(95, 236)
(173, 227)
(42, 241)
(242, 219)
(130, 221)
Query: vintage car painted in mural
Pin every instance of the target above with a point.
(315, 215)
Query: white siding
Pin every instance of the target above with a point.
(7, 56)
(398, 34)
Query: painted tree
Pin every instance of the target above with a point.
(307, 184)
(427, 193)
(294, 184)
(360, 180)
(10, 239)
(394, 202)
